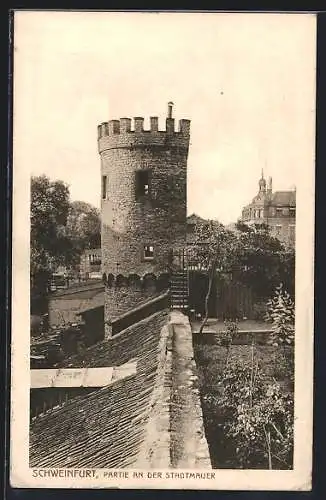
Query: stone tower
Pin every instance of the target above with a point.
(144, 191)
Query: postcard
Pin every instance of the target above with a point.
(163, 250)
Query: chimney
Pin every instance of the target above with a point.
(170, 107)
(170, 120)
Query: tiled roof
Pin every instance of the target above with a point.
(106, 427)
(284, 198)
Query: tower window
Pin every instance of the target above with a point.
(104, 187)
(148, 252)
(142, 183)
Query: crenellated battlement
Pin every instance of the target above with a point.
(125, 133)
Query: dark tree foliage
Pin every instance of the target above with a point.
(215, 251)
(264, 262)
(248, 256)
(49, 212)
(83, 230)
(60, 230)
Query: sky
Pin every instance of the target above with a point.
(246, 82)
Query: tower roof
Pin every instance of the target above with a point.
(262, 181)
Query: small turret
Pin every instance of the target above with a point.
(262, 182)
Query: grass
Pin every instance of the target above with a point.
(214, 325)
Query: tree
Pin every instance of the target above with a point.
(280, 312)
(264, 261)
(281, 315)
(60, 230)
(214, 249)
(250, 256)
(49, 212)
(83, 230)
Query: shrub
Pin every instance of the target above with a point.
(280, 312)
(259, 417)
(227, 336)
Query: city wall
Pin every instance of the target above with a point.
(175, 435)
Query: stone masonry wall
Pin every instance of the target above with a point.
(120, 300)
(175, 435)
(157, 219)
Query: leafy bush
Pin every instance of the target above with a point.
(227, 336)
(259, 417)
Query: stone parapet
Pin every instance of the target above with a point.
(175, 436)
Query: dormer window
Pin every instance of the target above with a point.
(142, 183)
(148, 252)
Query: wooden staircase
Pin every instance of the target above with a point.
(179, 290)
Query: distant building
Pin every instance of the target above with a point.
(90, 263)
(276, 210)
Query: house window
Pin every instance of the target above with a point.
(278, 230)
(142, 183)
(148, 252)
(104, 187)
(278, 212)
(292, 212)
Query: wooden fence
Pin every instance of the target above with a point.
(229, 299)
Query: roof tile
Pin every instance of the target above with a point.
(106, 427)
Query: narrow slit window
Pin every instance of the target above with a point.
(142, 183)
(104, 187)
(148, 252)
